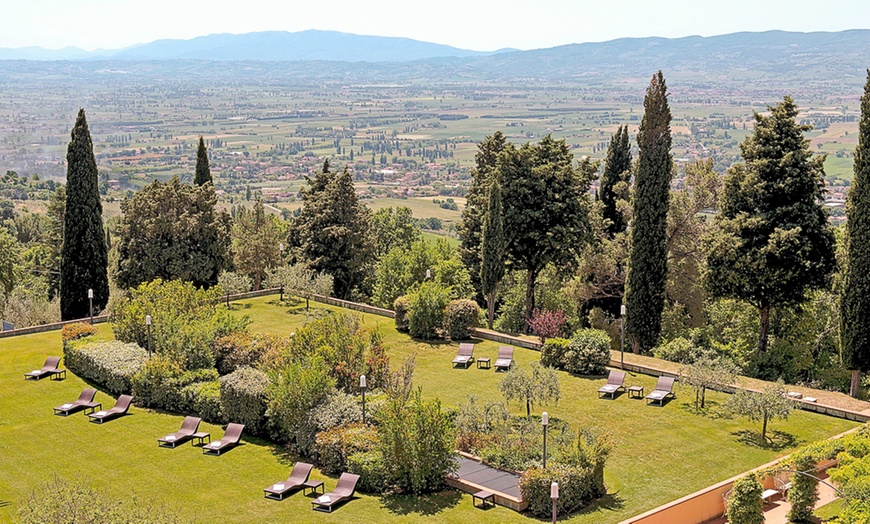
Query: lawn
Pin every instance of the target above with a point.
(670, 448)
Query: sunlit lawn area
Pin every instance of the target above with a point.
(661, 453)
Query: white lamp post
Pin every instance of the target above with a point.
(545, 421)
(554, 494)
(148, 326)
(91, 304)
(362, 387)
(622, 336)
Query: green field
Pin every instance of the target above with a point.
(661, 453)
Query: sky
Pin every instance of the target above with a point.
(482, 25)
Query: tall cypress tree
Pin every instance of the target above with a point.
(203, 173)
(492, 249)
(648, 261)
(616, 170)
(855, 301)
(84, 258)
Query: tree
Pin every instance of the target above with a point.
(203, 173)
(745, 505)
(648, 260)
(171, 231)
(492, 249)
(334, 229)
(770, 404)
(54, 238)
(9, 254)
(232, 283)
(615, 180)
(774, 243)
(470, 229)
(546, 208)
(707, 372)
(300, 279)
(392, 228)
(539, 386)
(84, 257)
(256, 238)
(855, 300)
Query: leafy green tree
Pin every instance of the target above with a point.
(427, 310)
(203, 173)
(855, 301)
(615, 180)
(9, 254)
(774, 243)
(546, 208)
(648, 260)
(84, 257)
(745, 505)
(539, 385)
(492, 249)
(334, 229)
(300, 279)
(470, 229)
(256, 239)
(232, 283)
(393, 228)
(171, 231)
(770, 404)
(705, 373)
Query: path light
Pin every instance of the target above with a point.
(148, 325)
(622, 336)
(91, 304)
(545, 421)
(428, 274)
(554, 494)
(362, 387)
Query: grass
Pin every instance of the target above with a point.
(672, 447)
(830, 510)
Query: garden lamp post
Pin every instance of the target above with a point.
(281, 291)
(428, 274)
(91, 304)
(545, 421)
(362, 387)
(148, 327)
(622, 336)
(554, 494)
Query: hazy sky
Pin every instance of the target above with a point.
(472, 24)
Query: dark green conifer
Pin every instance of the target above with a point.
(617, 170)
(492, 248)
(648, 261)
(84, 258)
(203, 173)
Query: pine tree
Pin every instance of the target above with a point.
(855, 301)
(492, 248)
(615, 180)
(203, 173)
(774, 243)
(84, 258)
(648, 260)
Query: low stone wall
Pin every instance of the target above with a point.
(50, 327)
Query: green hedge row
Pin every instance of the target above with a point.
(112, 365)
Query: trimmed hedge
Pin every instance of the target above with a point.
(333, 446)
(204, 399)
(575, 488)
(369, 465)
(243, 398)
(161, 380)
(588, 353)
(553, 351)
(460, 317)
(402, 307)
(111, 365)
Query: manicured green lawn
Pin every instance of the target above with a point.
(661, 453)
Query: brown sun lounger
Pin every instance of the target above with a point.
(298, 477)
(50, 369)
(343, 491)
(188, 428)
(615, 382)
(231, 438)
(465, 355)
(505, 358)
(119, 409)
(85, 401)
(664, 389)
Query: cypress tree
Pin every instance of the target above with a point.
(203, 173)
(84, 258)
(616, 170)
(492, 249)
(855, 301)
(648, 260)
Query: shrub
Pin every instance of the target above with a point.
(333, 446)
(477, 423)
(745, 506)
(548, 324)
(553, 351)
(339, 409)
(204, 399)
(588, 354)
(460, 317)
(369, 465)
(296, 389)
(111, 365)
(427, 310)
(402, 306)
(76, 331)
(243, 398)
(575, 488)
(161, 381)
(242, 349)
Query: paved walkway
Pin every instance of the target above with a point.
(775, 512)
(488, 477)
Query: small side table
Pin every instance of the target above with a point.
(93, 406)
(484, 363)
(635, 391)
(200, 438)
(58, 374)
(484, 496)
(313, 485)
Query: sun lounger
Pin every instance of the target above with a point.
(231, 438)
(343, 491)
(50, 369)
(465, 355)
(120, 408)
(505, 358)
(615, 382)
(85, 400)
(664, 389)
(298, 477)
(188, 428)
